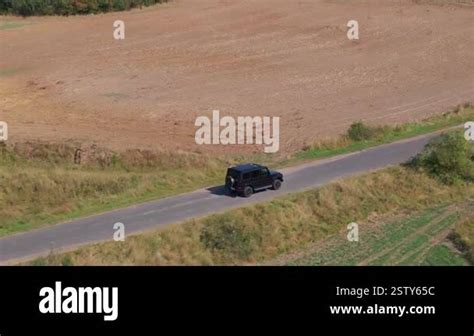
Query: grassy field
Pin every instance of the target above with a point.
(297, 222)
(41, 184)
(419, 239)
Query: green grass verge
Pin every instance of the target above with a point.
(387, 134)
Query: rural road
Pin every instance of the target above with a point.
(156, 214)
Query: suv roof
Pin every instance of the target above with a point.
(246, 167)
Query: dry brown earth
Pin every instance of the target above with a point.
(66, 78)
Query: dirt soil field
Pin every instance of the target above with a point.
(67, 79)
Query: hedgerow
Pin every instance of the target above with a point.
(69, 7)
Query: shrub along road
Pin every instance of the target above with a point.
(202, 202)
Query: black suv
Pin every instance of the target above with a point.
(247, 178)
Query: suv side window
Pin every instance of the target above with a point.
(256, 174)
(246, 176)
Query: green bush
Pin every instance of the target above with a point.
(67, 261)
(448, 157)
(4, 5)
(359, 132)
(120, 5)
(229, 237)
(69, 7)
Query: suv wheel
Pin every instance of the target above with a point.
(248, 191)
(276, 184)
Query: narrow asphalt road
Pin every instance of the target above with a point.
(179, 208)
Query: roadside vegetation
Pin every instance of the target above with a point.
(448, 157)
(70, 7)
(436, 225)
(42, 183)
(361, 136)
(297, 222)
